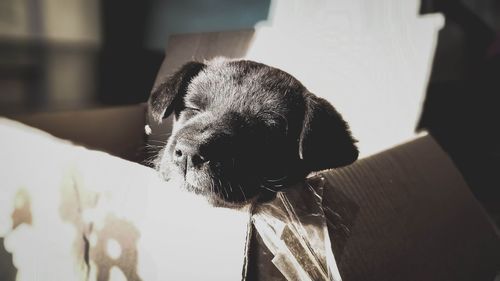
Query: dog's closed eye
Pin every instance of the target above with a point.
(192, 110)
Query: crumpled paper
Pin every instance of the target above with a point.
(293, 228)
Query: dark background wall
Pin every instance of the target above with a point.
(461, 107)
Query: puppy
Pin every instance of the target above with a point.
(244, 130)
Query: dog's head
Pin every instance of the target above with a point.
(244, 130)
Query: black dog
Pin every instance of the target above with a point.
(244, 130)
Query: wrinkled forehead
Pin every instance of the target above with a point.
(244, 86)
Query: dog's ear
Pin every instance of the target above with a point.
(169, 94)
(325, 141)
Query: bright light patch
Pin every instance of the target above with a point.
(113, 249)
(115, 274)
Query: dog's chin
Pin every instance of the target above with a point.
(214, 195)
(217, 199)
(218, 193)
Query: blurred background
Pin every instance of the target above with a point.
(68, 54)
(58, 55)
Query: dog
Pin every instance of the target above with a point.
(244, 130)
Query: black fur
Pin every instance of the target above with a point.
(244, 130)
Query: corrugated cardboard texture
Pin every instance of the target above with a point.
(407, 214)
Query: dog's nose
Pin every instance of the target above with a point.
(185, 154)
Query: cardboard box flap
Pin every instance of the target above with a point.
(92, 216)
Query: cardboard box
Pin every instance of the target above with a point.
(403, 214)
(116, 130)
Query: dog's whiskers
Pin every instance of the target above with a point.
(222, 188)
(243, 193)
(277, 183)
(162, 135)
(212, 184)
(274, 191)
(159, 141)
(276, 180)
(152, 161)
